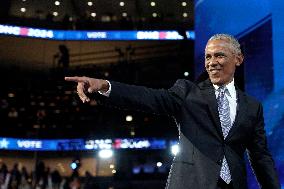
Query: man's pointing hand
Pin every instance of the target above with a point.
(87, 85)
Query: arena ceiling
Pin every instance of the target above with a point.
(102, 10)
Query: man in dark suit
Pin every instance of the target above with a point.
(217, 122)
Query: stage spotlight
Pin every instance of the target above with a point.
(105, 154)
(93, 14)
(159, 164)
(90, 3)
(185, 14)
(57, 3)
(153, 4)
(186, 74)
(154, 15)
(183, 4)
(175, 149)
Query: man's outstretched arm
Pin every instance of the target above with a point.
(160, 101)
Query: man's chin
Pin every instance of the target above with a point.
(215, 81)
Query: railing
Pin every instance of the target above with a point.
(128, 55)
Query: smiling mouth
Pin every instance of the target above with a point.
(214, 71)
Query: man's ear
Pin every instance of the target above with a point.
(240, 59)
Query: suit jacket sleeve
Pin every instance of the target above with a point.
(260, 157)
(139, 98)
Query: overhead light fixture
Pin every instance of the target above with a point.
(11, 95)
(57, 3)
(153, 4)
(124, 14)
(132, 133)
(184, 4)
(93, 14)
(129, 118)
(154, 15)
(55, 13)
(90, 3)
(185, 14)
(121, 3)
(23, 9)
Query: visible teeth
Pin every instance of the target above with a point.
(214, 71)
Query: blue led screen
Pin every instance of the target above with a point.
(93, 35)
(81, 144)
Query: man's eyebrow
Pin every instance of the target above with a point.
(216, 53)
(220, 52)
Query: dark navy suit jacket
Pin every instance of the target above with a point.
(202, 147)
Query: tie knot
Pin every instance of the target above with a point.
(222, 89)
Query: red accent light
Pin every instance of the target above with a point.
(162, 35)
(117, 144)
(24, 31)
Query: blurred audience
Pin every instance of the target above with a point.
(43, 178)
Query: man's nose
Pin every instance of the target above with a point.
(213, 62)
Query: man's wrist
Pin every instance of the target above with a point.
(106, 88)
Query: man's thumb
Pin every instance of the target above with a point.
(91, 89)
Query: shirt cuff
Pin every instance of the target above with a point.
(107, 93)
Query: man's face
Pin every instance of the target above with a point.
(221, 61)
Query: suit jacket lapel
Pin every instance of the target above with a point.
(208, 92)
(241, 112)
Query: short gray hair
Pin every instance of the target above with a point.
(234, 42)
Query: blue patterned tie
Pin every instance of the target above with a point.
(224, 115)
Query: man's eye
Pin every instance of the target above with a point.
(207, 57)
(220, 56)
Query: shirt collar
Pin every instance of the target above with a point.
(231, 88)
